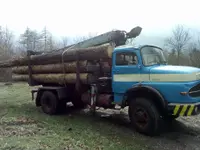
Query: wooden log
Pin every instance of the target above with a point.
(84, 66)
(20, 78)
(91, 53)
(85, 78)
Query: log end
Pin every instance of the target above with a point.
(110, 50)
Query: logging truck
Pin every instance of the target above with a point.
(138, 78)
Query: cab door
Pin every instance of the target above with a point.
(125, 72)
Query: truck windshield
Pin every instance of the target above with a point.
(152, 55)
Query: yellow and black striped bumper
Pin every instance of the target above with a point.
(184, 109)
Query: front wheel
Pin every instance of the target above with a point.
(144, 116)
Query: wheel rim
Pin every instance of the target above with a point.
(141, 117)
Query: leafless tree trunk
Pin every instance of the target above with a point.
(6, 51)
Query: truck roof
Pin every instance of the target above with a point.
(128, 47)
(125, 47)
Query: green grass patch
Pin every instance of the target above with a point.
(23, 126)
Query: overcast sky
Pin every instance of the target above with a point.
(78, 17)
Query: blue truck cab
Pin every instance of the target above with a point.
(153, 90)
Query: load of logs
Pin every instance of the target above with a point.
(62, 67)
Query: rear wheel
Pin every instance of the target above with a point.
(49, 103)
(144, 116)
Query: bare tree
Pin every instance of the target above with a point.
(6, 43)
(65, 41)
(31, 40)
(83, 38)
(198, 42)
(194, 54)
(6, 51)
(179, 40)
(195, 57)
(51, 43)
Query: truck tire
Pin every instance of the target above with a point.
(49, 103)
(144, 116)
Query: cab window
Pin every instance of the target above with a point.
(126, 58)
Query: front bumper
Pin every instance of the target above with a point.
(177, 109)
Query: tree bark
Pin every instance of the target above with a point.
(84, 66)
(91, 53)
(61, 79)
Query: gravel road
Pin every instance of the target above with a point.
(182, 134)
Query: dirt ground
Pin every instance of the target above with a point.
(181, 134)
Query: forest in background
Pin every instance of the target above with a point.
(182, 47)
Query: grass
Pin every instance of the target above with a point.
(24, 126)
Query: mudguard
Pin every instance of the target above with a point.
(162, 101)
(61, 92)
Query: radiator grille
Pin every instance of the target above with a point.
(195, 91)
